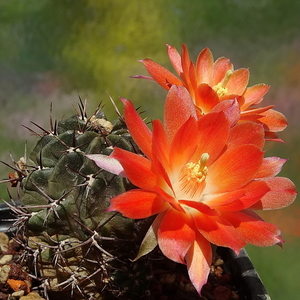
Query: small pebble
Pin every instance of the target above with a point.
(234, 295)
(6, 259)
(219, 262)
(4, 271)
(3, 248)
(32, 296)
(18, 294)
(190, 288)
(3, 238)
(168, 278)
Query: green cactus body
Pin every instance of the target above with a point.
(71, 245)
(70, 240)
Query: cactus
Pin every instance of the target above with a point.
(70, 243)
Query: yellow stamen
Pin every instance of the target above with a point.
(220, 88)
(193, 175)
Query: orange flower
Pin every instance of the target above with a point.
(210, 82)
(202, 177)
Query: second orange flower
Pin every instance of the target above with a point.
(210, 82)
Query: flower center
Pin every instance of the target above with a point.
(221, 88)
(193, 176)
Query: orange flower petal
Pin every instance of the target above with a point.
(139, 131)
(179, 153)
(136, 167)
(221, 66)
(254, 191)
(212, 134)
(204, 66)
(219, 231)
(230, 108)
(247, 133)
(190, 80)
(238, 81)
(273, 120)
(185, 59)
(188, 74)
(175, 59)
(235, 168)
(206, 98)
(170, 199)
(160, 74)
(215, 200)
(179, 107)
(255, 112)
(201, 207)
(270, 167)
(254, 94)
(138, 204)
(282, 193)
(272, 136)
(198, 260)
(176, 234)
(161, 146)
(253, 229)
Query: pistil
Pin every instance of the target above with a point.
(221, 88)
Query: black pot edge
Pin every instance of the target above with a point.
(241, 267)
(7, 218)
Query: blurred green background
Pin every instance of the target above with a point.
(51, 51)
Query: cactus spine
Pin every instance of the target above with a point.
(71, 244)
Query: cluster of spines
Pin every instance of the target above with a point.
(34, 248)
